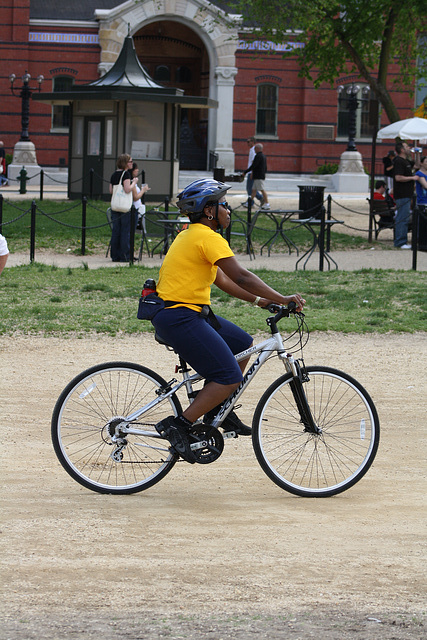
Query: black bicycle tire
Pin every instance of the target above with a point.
(259, 447)
(59, 449)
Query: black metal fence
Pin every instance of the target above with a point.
(322, 212)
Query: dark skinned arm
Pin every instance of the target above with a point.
(245, 285)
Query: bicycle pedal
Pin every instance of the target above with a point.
(229, 434)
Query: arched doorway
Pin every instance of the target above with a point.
(174, 55)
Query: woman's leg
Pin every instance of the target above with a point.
(115, 236)
(209, 397)
(208, 351)
(125, 247)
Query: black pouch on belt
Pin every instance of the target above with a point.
(206, 312)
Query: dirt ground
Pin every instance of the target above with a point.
(214, 551)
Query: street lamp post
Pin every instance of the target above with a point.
(25, 94)
(352, 104)
(351, 175)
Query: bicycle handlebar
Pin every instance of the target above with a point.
(281, 312)
(284, 311)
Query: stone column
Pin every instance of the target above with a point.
(224, 77)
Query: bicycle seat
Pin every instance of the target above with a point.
(160, 340)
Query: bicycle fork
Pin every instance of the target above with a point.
(299, 378)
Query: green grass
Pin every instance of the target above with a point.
(52, 301)
(59, 223)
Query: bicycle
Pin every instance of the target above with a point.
(315, 430)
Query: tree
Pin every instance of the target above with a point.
(358, 35)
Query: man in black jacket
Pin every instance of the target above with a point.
(402, 193)
(258, 169)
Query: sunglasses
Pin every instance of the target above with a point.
(224, 204)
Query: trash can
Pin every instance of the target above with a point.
(310, 201)
(422, 228)
(219, 174)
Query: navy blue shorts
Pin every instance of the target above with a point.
(207, 350)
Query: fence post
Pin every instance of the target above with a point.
(22, 181)
(415, 227)
(84, 205)
(131, 234)
(1, 211)
(322, 238)
(41, 183)
(143, 182)
(33, 231)
(328, 230)
(167, 204)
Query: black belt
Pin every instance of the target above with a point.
(205, 312)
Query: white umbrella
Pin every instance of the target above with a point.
(409, 129)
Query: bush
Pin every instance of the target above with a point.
(327, 168)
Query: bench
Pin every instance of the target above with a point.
(383, 216)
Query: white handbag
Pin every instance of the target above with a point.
(121, 201)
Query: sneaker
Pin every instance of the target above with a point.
(405, 246)
(173, 429)
(231, 423)
(265, 206)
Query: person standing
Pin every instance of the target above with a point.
(258, 169)
(421, 186)
(3, 177)
(403, 189)
(137, 194)
(388, 169)
(120, 235)
(4, 252)
(249, 179)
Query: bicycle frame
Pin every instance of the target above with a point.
(264, 349)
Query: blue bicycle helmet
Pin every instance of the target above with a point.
(194, 198)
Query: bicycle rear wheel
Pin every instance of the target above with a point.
(307, 464)
(85, 419)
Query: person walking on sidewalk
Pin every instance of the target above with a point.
(403, 190)
(258, 170)
(249, 180)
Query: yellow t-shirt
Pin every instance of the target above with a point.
(188, 269)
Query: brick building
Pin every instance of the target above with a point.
(185, 44)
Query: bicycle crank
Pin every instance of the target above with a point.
(206, 443)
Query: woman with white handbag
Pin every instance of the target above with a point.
(121, 187)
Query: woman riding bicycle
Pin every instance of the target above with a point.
(198, 258)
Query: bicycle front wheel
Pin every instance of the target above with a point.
(324, 464)
(85, 423)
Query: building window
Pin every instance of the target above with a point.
(266, 117)
(183, 74)
(162, 73)
(61, 113)
(363, 95)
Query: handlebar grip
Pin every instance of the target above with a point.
(273, 307)
(292, 306)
